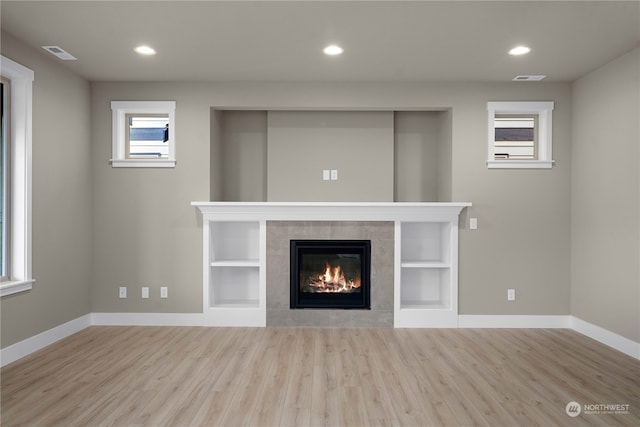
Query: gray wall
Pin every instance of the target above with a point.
(422, 164)
(444, 156)
(147, 234)
(605, 202)
(62, 222)
(145, 231)
(523, 235)
(215, 155)
(358, 144)
(244, 155)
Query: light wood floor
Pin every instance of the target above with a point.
(184, 376)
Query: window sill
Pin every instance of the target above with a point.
(14, 286)
(143, 163)
(520, 164)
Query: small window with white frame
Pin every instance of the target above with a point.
(520, 135)
(143, 134)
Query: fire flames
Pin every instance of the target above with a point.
(333, 281)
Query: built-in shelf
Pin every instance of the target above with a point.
(424, 305)
(424, 264)
(234, 284)
(237, 263)
(234, 275)
(426, 276)
(238, 304)
(425, 258)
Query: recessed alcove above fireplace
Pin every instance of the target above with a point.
(380, 156)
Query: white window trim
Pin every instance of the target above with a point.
(544, 147)
(21, 127)
(119, 111)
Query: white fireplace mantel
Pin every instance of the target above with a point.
(331, 211)
(425, 256)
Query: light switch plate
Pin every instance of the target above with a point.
(145, 292)
(473, 223)
(164, 292)
(326, 175)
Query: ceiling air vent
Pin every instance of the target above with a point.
(528, 78)
(60, 53)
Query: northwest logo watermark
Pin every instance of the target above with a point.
(573, 409)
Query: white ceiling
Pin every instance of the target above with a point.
(283, 40)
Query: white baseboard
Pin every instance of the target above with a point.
(148, 319)
(30, 345)
(605, 336)
(512, 321)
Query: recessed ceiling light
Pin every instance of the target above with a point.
(519, 50)
(333, 50)
(145, 50)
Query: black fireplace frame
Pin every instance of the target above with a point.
(304, 300)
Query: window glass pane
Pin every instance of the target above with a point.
(4, 174)
(515, 137)
(148, 136)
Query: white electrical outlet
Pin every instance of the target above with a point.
(473, 223)
(511, 294)
(145, 292)
(164, 292)
(122, 292)
(326, 174)
(334, 174)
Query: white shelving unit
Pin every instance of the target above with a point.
(234, 291)
(426, 285)
(425, 259)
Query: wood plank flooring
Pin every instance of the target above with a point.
(193, 376)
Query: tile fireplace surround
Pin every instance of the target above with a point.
(414, 252)
(279, 233)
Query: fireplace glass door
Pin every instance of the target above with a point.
(330, 274)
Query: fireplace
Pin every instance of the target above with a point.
(330, 274)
